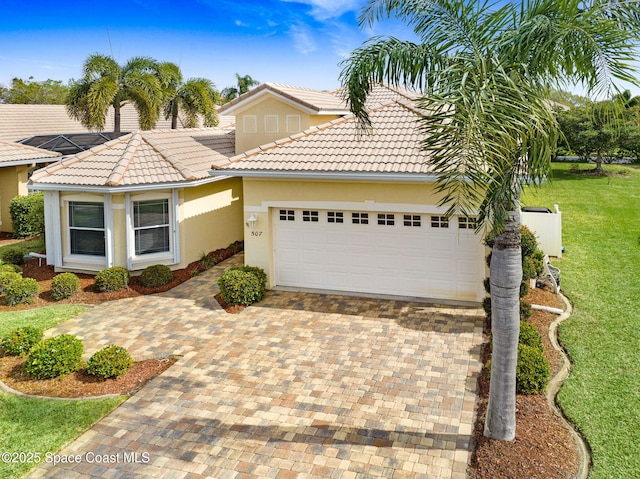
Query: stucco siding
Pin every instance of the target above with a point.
(13, 182)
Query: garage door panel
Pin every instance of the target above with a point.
(379, 258)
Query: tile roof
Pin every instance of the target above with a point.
(144, 158)
(11, 152)
(18, 122)
(339, 146)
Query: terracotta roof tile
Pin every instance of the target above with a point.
(11, 152)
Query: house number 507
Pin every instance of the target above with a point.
(256, 233)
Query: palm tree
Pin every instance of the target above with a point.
(104, 83)
(196, 96)
(244, 84)
(484, 71)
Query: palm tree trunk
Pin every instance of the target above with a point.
(174, 121)
(116, 119)
(506, 276)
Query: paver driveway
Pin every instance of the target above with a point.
(300, 386)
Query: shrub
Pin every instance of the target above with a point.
(27, 215)
(240, 287)
(54, 357)
(528, 269)
(110, 362)
(12, 256)
(64, 285)
(525, 310)
(112, 279)
(6, 279)
(487, 285)
(9, 268)
(528, 241)
(258, 272)
(486, 305)
(155, 276)
(22, 290)
(532, 371)
(20, 341)
(524, 289)
(538, 261)
(529, 336)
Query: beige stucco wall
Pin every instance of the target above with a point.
(210, 218)
(261, 196)
(13, 182)
(271, 106)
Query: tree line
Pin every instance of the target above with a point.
(154, 88)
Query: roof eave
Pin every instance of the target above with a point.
(29, 162)
(34, 186)
(331, 175)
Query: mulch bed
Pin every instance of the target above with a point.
(543, 448)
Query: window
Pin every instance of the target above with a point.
(466, 223)
(271, 124)
(335, 217)
(293, 124)
(250, 123)
(151, 226)
(287, 215)
(439, 222)
(310, 216)
(86, 228)
(412, 220)
(385, 219)
(360, 218)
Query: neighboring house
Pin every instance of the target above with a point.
(333, 208)
(144, 198)
(16, 161)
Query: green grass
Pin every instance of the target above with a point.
(42, 318)
(26, 246)
(37, 425)
(601, 277)
(41, 426)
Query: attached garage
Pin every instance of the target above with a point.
(395, 253)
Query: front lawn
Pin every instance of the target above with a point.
(601, 277)
(31, 245)
(38, 425)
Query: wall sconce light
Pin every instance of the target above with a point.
(251, 221)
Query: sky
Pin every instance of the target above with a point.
(293, 42)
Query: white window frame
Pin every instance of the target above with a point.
(141, 261)
(439, 221)
(294, 124)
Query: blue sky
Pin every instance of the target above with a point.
(297, 42)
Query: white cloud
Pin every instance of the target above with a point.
(240, 23)
(302, 38)
(325, 9)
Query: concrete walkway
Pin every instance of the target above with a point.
(300, 386)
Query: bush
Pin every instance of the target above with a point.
(528, 241)
(532, 371)
(54, 357)
(529, 336)
(486, 305)
(240, 287)
(9, 268)
(6, 279)
(155, 276)
(538, 261)
(12, 256)
(20, 341)
(112, 279)
(258, 272)
(27, 215)
(525, 310)
(524, 289)
(110, 362)
(64, 285)
(22, 290)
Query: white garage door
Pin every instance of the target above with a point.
(387, 253)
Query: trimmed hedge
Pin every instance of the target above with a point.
(112, 279)
(12, 256)
(532, 371)
(64, 286)
(155, 276)
(54, 357)
(241, 287)
(22, 290)
(530, 336)
(9, 268)
(27, 215)
(110, 362)
(7, 278)
(20, 341)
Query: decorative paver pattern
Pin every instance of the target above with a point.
(299, 386)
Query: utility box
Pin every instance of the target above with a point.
(547, 226)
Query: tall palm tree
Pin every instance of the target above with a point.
(484, 71)
(243, 85)
(104, 83)
(195, 97)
